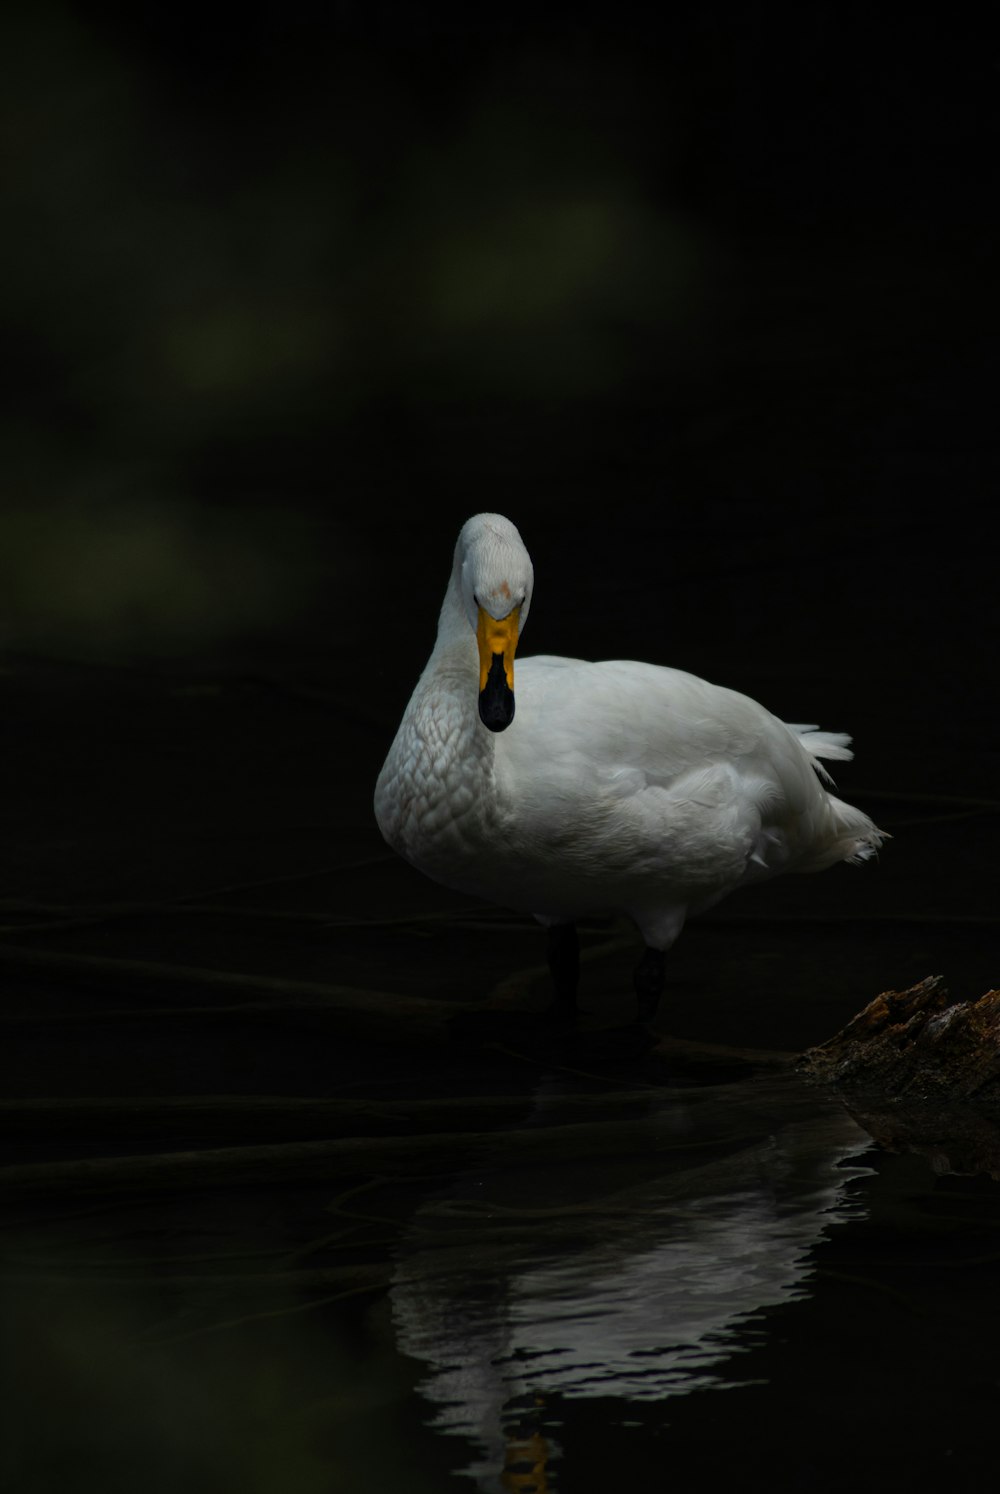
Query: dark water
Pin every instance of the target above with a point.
(303, 1194)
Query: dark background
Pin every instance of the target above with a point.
(706, 304)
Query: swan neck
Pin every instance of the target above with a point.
(453, 625)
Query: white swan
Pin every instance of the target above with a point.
(619, 787)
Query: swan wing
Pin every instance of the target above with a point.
(642, 772)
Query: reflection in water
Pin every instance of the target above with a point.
(963, 1139)
(513, 1288)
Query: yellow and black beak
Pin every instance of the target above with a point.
(497, 645)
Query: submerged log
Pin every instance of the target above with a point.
(918, 1043)
(921, 1072)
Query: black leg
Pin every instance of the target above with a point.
(648, 982)
(564, 963)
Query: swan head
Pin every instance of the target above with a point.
(495, 577)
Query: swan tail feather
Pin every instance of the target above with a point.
(833, 745)
(859, 838)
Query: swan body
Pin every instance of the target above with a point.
(617, 787)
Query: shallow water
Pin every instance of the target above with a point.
(303, 1194)
(518, 1289)
(722, 1280)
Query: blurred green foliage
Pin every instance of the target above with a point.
(226, 296)
(365, 261)
(129, 574)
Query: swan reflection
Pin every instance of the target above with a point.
(592, 1280)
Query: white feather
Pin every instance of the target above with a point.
(619, 786)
